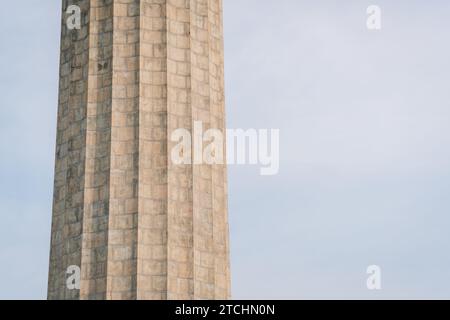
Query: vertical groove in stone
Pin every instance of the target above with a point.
(153, 161)
(202, 184)
(169, 145)
(211, 257)
(210, 261)
(68, 200)
(221, 226)
(180, 193)
(56, 246)
(124, 179)
(98, 145)
(222, 246)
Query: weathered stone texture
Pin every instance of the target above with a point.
(139, 226)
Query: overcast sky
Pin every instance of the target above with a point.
(365, 147)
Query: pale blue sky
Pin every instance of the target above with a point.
(365, 146)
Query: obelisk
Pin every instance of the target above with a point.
(135, 224)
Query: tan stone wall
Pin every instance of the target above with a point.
(139, 226)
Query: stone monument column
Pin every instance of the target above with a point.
(137, 225)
